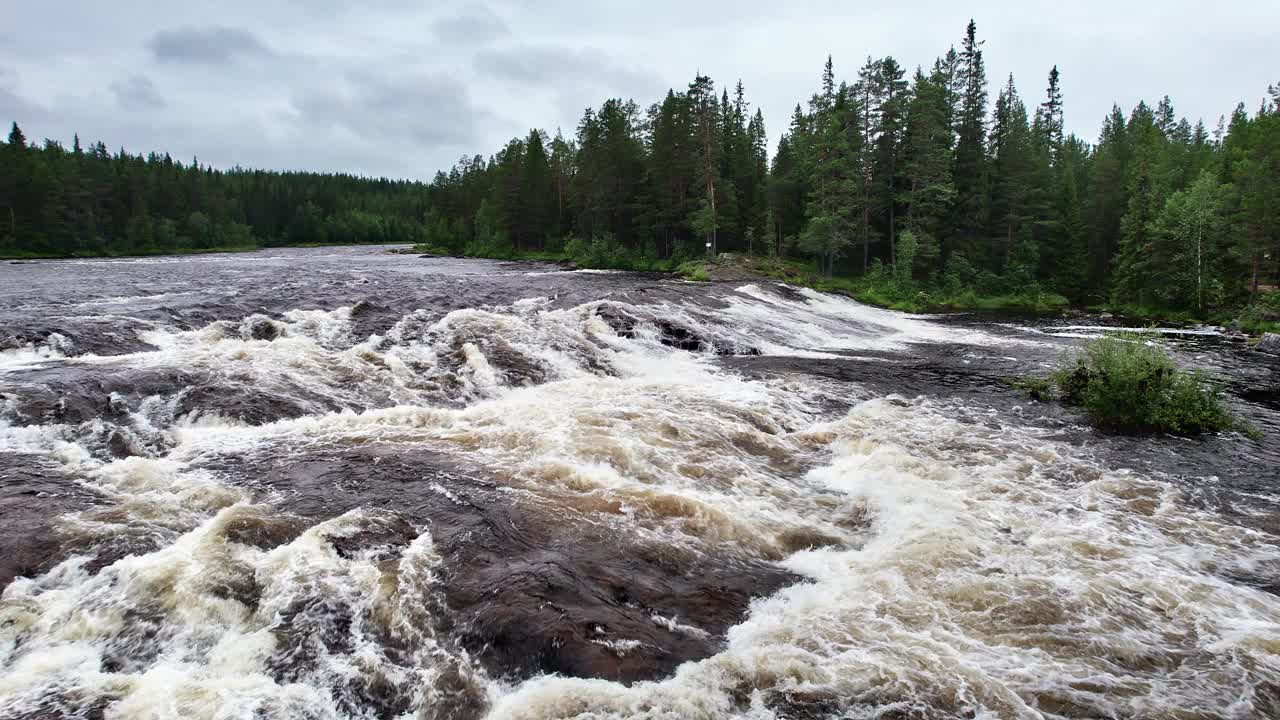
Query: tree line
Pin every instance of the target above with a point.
(918, 176)
(63, 202)
(915, 178)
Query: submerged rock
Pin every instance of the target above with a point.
(528, 587)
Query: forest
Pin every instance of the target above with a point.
(915, 185)
(56, 202)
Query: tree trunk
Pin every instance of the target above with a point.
(1253, 285)
(711, 182)
(866, 236)
(893, 231)
(1199, 269)
(1008, 243)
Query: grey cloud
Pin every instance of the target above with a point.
(214, 45)
(378, 87)
(548, 65)
(137, 92)
(428, 109)
(14, 107)
(475, 25)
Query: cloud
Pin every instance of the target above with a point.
(14, 107)
(426, 109)
(214, 45)
(475, 25)
(402, 87)
(137, 92)
(545, 65)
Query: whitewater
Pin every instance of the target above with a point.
(341, 483)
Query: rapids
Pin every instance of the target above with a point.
(342, 483)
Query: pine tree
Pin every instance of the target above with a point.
(892, 112)
(970, 155)
(828, 84)
(928, 190)
(827, 233)
(870, 96)
(17, 141)
(536, 194)
(1144, 202)
(1051, 117)
(1011, 170)
(1108, 199)
(702, 99)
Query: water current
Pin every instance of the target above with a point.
(343, 483)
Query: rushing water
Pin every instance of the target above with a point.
(343, 483)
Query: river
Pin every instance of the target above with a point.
(343, 483)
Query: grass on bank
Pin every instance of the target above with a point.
(884, 287)
(960, 288)
(1130, 383)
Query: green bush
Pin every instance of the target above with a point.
(694, 270)
(1130, 383)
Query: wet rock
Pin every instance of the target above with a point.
(1270, 343)
(77, 336)
(622, 323)
(72, 395)
(259, 327)
(370, 318)
(678, 336)
(33, 494)
(671, 334)
(530, 587)
(264, 532)
(252, 406)
(384, 535)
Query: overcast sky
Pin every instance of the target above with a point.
(401, 88)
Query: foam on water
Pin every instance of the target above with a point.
(1004, 577)
(956, 563)
(805, 320)
(54, 347)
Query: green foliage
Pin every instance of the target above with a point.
(56, 202)
(1130, 383)
(904, 263)
(694, 271)
(1037, 388)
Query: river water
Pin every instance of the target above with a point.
(342, 483)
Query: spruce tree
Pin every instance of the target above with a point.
(892, 112)
(1011, 170)
(827, 232)
(928, 189)
(1051, 116)
(969, 172)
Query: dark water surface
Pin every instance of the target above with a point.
(343, 483)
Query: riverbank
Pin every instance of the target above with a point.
(881, 289)
(19, 256)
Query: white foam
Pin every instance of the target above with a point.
(953, 567)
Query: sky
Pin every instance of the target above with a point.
(402, 89)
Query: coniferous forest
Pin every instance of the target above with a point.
(931, 182)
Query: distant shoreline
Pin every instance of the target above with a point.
(19, 257)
